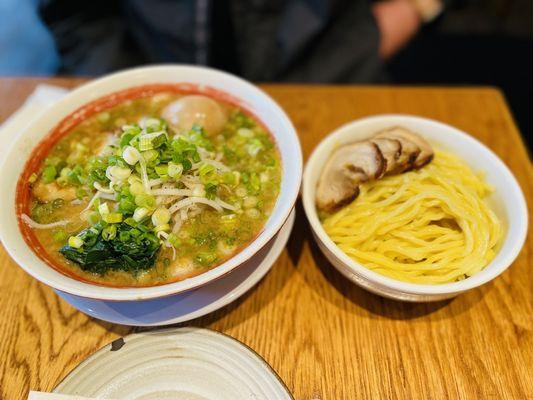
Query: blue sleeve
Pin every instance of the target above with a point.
(26, 45)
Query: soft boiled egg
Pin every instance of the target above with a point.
(183, 113)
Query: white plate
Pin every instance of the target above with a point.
(182, 363)
(186, 306)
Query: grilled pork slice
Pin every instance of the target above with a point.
(391, 149)
(408, 153)
(411, 144)
(349, 166)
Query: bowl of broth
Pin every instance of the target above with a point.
(148, 183)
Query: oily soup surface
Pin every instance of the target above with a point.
(210, 192)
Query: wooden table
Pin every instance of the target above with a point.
(325, 337)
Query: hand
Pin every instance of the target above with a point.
(398, 21)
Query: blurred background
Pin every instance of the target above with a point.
(443, 42)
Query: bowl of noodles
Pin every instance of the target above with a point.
(423, 224)
(148, 183)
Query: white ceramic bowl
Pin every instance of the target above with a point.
(507, 201)
(251, 97)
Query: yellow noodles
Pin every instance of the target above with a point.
(428, 226)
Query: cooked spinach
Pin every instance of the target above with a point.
(98, 255)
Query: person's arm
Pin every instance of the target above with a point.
(399, 20)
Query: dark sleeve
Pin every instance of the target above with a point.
(99, 36)
(307, 41)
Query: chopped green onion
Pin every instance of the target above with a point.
(131, 128)
(174, 170)
(229, 219)
(161, 216)
(126, 139)
(145, 144)
(245, 132)
(254, 147)
(160, 228)
(74, 178)
(127, 205)
(109, 232)
(206, 258)
(81, 147)
(56, 162)
(58, 203)
(229, 178)
(136, 188)
(241, 191)
(96, 204)
(186, 163)
(174, 240)
(198, 191)
(250, 202)
(140, 214)
(103, 117)
(134, 178)
(32, 178)
(103, 209)
(211, 190)
(117, 173)
(65, 171)
(145, 200)
(150, 155)
(124, 236)
(135, 232)
(93, 218)
(75, 242)
(131, 222)
(49, 174)
(161, 170)
(60, 236)
(206, 171)
(152, 123)
(159, 140)
(130, 155)
(81, 193)
(112, 218)
(252, 182)
(253, 213)
(62, 181)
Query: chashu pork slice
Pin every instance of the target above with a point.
(409, 152)
(348, 167)
(409, 138)
(391, 149)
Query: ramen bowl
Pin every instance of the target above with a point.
(507, 201)
(203, 80)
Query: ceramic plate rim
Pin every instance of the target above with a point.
(62, 382)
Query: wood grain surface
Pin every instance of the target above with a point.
(326, 338)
